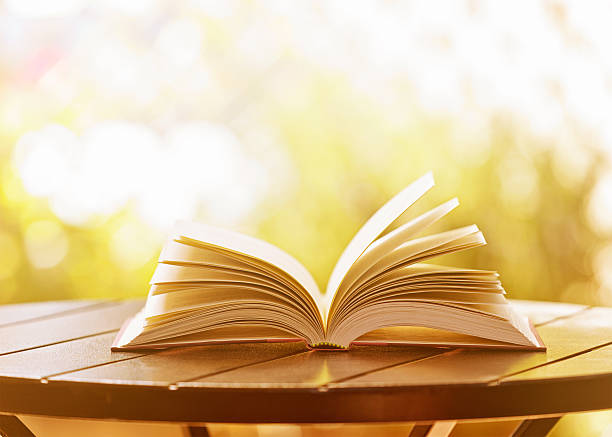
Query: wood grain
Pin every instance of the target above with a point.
(167, 367)
(65, 327)
(24, 312)
(315, 368)
(62, 357)
(596, 361)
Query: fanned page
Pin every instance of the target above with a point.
(387, 244)
(213, 285)
(375, 226)
(254, 248)
(385, 293)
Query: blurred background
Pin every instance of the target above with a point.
(294, 122)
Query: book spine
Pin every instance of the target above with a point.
(326, 345)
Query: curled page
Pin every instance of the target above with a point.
(386, 244)
(252, 247)
(375, 226)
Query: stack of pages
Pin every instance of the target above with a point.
(213, 285)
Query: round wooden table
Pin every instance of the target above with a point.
(55, 360)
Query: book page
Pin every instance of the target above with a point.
(420, 336)
(184, 253)
(387, 244)
(492, 321)
(254, 248)
(180, 252)
(375, 226)
(425, 247)
(171, 273)
(405, 254)
(165, 304)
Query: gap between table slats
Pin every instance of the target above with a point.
(589, 313)
(165, 367)
(65, 327)
(548, 363)
(44, 310)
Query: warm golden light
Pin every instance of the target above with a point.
(295, 122)
(46, 243)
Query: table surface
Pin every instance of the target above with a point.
(55, 359)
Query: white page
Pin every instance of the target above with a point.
(375, 226)
(252, 247)
(419, 249)
(394, 239)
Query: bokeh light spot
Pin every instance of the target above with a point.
(10, 255)
(44, 8)
(600, 205)
(42, 159)
(46, 243)
(133, 245)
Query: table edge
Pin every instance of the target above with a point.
(304, 405)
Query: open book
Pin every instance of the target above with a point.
(213, 285)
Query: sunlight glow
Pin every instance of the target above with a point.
(601, 264)
(46, 243)
(43, 159)
(519, 185)
(195, 166)
(10, 255)
(44, 8)
(600, 205)
(180, 42)
(133, 245)
(117, 118)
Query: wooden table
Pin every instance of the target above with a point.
(55, 360)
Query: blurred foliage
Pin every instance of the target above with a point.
(297, 138)
(539, 240)
(346, 161)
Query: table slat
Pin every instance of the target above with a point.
(67, 356)
(596, 361)
(65, 327)
(316, 368)
(459, 367)
(170, 366)
(23, 312)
